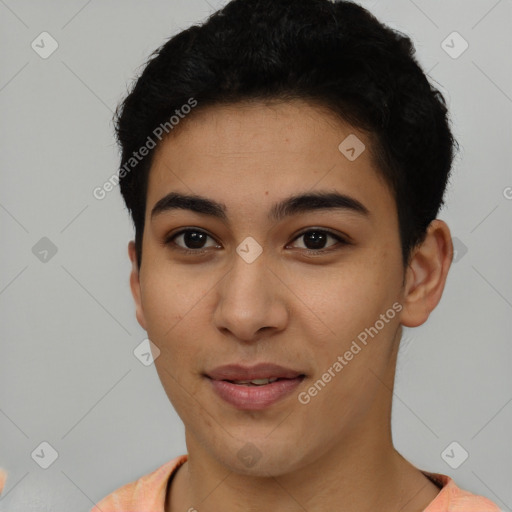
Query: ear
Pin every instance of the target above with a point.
(426, 274)
(135, 285)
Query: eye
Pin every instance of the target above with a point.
(193, 241)
(315, 240)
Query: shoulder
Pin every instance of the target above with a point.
(146, 493)
(3, 478)
(452, 498)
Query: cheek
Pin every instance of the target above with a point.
(178, 312)
(350, 302)
(174, 312)
(346, 299)
(161, 309)
(170, 297)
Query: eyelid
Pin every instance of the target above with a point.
(341, 239)
(169, 238)
(181, 231)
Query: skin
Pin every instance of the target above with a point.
(286, 307)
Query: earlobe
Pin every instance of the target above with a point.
(135, 285)
(426, 274)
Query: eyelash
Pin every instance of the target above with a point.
(169, 242)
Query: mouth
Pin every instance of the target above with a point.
(256, 387)
(257, 374)
(255, 382)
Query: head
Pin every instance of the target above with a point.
(306, 135)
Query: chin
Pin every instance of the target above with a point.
(268, 458)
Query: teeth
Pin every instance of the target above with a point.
(255, 382)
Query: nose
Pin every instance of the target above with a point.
(251, 301)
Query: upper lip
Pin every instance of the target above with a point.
(259, 371)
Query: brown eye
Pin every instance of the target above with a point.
(190, 240)
(316, 239)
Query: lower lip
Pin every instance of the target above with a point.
(255, 397)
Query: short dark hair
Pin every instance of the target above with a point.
(330, 54)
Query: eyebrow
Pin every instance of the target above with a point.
(294, 205)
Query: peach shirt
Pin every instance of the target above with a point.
(147, 494)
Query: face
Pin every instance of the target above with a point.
(241, 282)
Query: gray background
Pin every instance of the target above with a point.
(68, 330)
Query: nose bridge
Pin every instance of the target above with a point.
(248, 297)
(249, 269)
(246, 286)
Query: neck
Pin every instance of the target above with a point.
(363, 473)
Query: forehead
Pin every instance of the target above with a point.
(267, 151)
